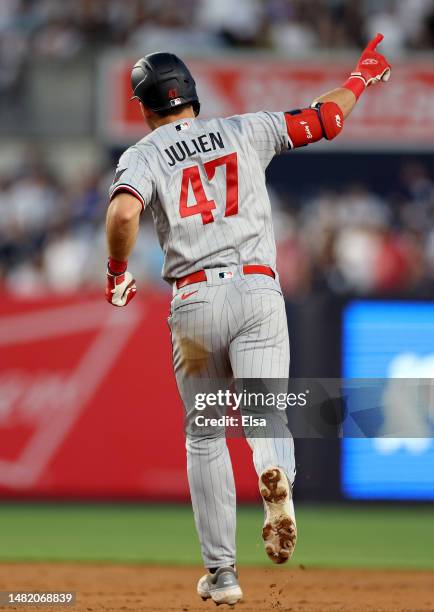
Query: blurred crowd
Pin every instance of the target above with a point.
(356, 241)
(352, 241)
(62, 29)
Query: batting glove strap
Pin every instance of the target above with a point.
(120, 288)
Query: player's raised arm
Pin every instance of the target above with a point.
(325, 118)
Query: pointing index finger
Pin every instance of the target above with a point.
(374, 42)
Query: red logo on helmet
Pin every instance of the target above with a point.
(173, 93)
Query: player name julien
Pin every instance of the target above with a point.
(201, 144)
(246, 420)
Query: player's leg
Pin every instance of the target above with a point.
(212, 490)
(201, 364)
(259, 354)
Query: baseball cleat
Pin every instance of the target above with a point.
(280, 531)
(222, 587)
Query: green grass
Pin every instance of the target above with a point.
(348, 536)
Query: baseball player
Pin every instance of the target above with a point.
(204, 183)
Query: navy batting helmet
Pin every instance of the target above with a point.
(162, 82)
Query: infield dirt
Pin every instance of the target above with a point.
(137, 588)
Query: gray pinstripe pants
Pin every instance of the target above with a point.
(225, 329)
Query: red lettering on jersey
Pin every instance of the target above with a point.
(231, 163)
(203, 206)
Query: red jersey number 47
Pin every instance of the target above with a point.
(203, 206)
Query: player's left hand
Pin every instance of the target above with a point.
(372, 67)
(120, 288)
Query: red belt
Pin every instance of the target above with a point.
(199, 277)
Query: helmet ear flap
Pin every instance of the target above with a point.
(139, 74)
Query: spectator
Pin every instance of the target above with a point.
(52, 236)
(63, 29)
(352, 240)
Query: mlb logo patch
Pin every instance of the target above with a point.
(183, 126)
(226, 274)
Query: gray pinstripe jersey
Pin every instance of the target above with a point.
(204, 182)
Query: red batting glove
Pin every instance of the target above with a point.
(371, 68)
(120, 289)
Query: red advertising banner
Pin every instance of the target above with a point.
(88, 403)
(400, 114)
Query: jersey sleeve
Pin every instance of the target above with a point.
(133, 176)
(267, 133)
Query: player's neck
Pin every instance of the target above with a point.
(157, 121)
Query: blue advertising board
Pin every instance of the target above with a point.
(392, 340)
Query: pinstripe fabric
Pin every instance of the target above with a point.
(229, 328)
(188, 243)
(133, 171)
